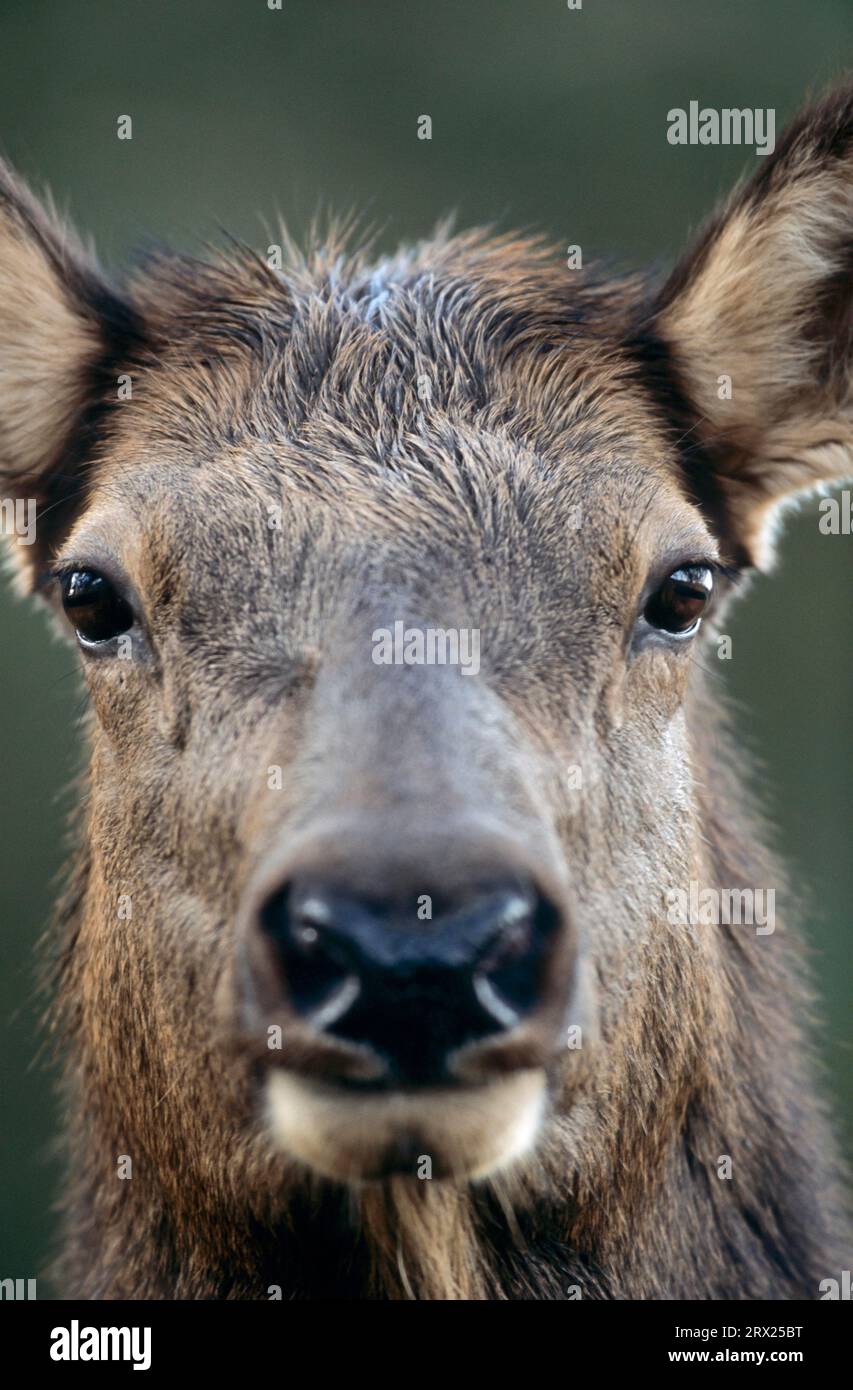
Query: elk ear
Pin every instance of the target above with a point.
(758, 323)
(59, 330)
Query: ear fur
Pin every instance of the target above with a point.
(60, 328)
(757, 324)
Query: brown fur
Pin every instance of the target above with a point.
(545, 393)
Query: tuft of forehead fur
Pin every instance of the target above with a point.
(365, 357)
(469, 388)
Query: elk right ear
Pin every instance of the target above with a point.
(60, 328)
(756, 330)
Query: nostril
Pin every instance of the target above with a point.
(320, 979)
(509, 979)
(362, 969)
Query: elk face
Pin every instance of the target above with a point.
(413, 878)
(417, 889)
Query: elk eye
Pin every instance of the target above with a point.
(681, 600)
(94, 607)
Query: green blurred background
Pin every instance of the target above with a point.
(542, 117)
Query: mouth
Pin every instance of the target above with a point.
(460, 1133)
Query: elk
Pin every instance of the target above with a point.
(364, 979)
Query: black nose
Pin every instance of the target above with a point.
(413, 980)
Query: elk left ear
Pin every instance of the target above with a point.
(757, 326)
(61, 326)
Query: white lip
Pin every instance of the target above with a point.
(467, 1132)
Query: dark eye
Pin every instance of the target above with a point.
(681, 600)
(94, 607)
